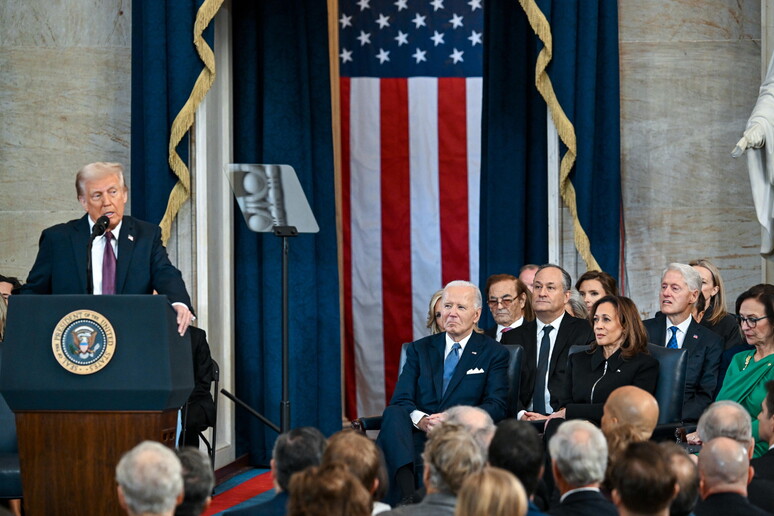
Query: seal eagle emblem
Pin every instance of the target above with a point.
(83, 342)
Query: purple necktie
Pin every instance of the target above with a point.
(109, 266)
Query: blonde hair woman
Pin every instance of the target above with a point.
(491, 492)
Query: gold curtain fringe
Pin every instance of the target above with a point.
(185, 118)
(564, 127)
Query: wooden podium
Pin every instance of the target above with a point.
(88, 378)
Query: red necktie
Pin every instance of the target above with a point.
(109, 266)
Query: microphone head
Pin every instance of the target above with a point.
(101, 225)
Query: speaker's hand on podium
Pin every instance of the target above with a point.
(184, 317)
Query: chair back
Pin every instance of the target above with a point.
(577, 348)
(670, 390)
(10, 474)
(516, 353)
(8, 443)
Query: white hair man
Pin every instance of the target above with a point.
(456, 367)
(578, 461)
(476, 421)
(150, 480)
(675, 327)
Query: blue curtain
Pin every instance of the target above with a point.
(282, 114)
(514, 215)
(584, 72)
(165, 66)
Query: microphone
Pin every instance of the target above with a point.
(100, 227)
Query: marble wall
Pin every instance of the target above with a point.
(690, 72)
(64, 102)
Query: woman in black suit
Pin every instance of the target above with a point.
(618, 357)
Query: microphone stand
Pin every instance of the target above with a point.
(89, 279)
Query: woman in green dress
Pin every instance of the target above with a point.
(745, 381)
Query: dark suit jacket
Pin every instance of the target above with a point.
(590, 371)
(764, 465)
(420, 383)
(703, 349)
(727, 504)
(491, 332)
(277, 506)
(572, 331)
(435, 504)
(201, 407)
(142, 267)
(584, 503)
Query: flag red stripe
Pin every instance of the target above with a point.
(453, 179)
(396, 224)
(350, 397)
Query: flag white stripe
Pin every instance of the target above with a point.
(473, 92)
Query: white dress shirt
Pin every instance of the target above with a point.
(682, 331)
(98, 254)
(515, 324)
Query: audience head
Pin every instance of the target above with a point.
(198, 481)
(434, 319)
(361, 456)
(474, 420)
(518, 448)
(643, 482)
(680, 286)
(724, 466)
(294, 451)
(755, 310)
(527, 275)
(508, 299)
(594, 285)
(578, 454)
(150, 480)
(687, 475)
(630, 414)
(328, 489)
(766, 415)
(102, 190)
(451, 455)
(712, 287)
(575, 306)
(461, 308)
(7, 285)
(726, 418)
(491, 492)
(550, 292)
(617, 318)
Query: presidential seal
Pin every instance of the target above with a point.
(83, 342)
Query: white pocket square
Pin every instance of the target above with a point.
(477, 370)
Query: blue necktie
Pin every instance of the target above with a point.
(672, 344)
(450, 363)
(539, 396)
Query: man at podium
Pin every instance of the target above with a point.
(127, 258)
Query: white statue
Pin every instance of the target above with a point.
(760, 158)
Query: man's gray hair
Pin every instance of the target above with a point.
(97, 170)
(150, 477)
(725, 418)
(566, 278)
(475, 420)
(690, 275)
(477, 300)
(580, 452)
(451, 455)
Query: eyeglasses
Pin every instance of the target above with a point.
(506, 302)
(751, 321)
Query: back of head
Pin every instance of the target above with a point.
(723, 465)
(451, 454)
(476, 421)
(150, 480)
(327, 490)
(517, 447)
(296, 450)
(580, 452)
(198, 480)
(642, 480)
(492, 491)
(633, 407)
(725, 418)
(687, 479)
(577, 305)
(358, 453)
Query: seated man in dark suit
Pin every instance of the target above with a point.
(643, 483)
(198, 481)
(509, 301)
(764, 465)
(676, 328)
(200, 413)
(579, 460)
(457, 367)
(546, 342)
(128, 259)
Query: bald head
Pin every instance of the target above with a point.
(632, 406)
(723, 467)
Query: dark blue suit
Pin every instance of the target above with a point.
(142, 267)
(420, 387)
(703, 348)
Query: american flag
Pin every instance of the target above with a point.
(411, 91)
